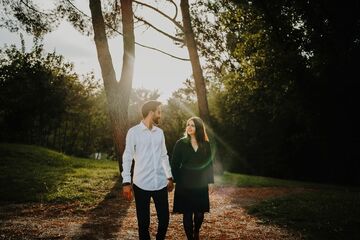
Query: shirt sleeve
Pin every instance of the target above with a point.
(165, 158)
(127, 157)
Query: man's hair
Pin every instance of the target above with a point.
(149, 106)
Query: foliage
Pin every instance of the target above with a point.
(38, 20)
(24, 15)
(280, 87)
(31, 173)
(31, 85)
(44, 102)
(278, 92)
(180, 107)
(104, 17)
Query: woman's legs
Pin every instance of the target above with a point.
(198, 220)
(188, 225)
(192, 225)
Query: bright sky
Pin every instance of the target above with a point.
(152, 70)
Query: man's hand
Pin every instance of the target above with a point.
(170, 185)
(127, 192)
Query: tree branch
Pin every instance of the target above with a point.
(34, 9)
(163, 52)
(139, 44)
(163, 14)
(159, 30)
(176, 8)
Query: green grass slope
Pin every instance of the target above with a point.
(31, 173)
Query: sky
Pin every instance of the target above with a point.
(152, 69)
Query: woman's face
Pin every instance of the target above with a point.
(190, 128)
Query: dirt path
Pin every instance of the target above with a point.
(114, 218)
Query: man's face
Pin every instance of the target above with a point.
(157, 115)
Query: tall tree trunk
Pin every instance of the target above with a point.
(195, 62)
(117, 93)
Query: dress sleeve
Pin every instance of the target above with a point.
(176, 160)
(210, 169)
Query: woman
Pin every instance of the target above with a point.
(192, 169)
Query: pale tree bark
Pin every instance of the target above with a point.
(200, 85)
(190, 43)
(117, 93)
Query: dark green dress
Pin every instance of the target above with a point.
(192, 171)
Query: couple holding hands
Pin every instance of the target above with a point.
(154, 175)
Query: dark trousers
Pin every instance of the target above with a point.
(142, 202)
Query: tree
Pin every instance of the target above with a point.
(117, 93)
(38, 23)
(43, 101)
(23, 77)
(283, 88)
(105, 22)
(195, 62)
(185, 36)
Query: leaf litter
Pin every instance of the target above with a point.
(115, 218)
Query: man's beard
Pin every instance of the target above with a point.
(156, 120)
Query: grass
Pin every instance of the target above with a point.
(322, 212)
(36, 174)
(242, 180)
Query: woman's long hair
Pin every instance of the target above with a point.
(201, 138)
(200, 131)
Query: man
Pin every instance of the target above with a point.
(145, 143)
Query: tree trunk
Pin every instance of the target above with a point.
(117, 93)
(195, 62)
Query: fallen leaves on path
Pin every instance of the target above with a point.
(115, 218)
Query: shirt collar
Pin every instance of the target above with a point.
(144, 127)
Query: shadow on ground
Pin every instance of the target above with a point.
(105, 220)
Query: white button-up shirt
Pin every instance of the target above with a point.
(147, 148)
